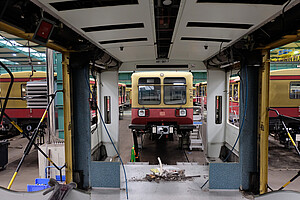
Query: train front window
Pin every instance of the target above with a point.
(23, 90)
(149, 91)
(174, 91)
(295, 90)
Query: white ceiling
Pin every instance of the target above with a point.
(189, 11)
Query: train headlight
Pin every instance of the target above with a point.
(153, 129)
(181, 112)
(143, 112)
(171, 129)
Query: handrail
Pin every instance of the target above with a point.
(8, 91)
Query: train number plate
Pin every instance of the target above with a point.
(297, 137)
(162, 113)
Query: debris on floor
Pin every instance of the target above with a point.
(167, 173)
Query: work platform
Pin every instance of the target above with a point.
(139, 188)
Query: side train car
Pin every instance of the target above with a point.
(26, 113)
(284, 97)
(162, 104)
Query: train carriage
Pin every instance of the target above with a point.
(285, 98)
(25, 113)
(162, 103)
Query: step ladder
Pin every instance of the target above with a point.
(196, 139)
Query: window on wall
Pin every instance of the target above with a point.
(234, 103)
(149, 91)
(295, 90)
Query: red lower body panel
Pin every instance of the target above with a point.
(24, 113)
(289, 111)
(162, 115)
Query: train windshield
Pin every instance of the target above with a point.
(174, 91)
(149, 91)
(295, 90)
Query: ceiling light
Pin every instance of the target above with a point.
(39, 63)
(296, 52)
(14, 54)
(167, 2)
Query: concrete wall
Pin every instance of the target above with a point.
(215, 132)
(57, 154)
(109, 87)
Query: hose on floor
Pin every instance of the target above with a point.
(108, 134)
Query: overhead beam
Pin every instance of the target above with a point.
(283, 41)
(28, 36)
(37, 55)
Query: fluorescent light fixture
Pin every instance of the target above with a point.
(14, 54)
(296, 52)
(39, 63)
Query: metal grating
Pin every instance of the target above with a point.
(165, 19)
(218, 25)
(205, 39)
(83, 4)
(113, 27)
(36, 94)
(123, 40)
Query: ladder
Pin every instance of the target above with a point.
(195, 138)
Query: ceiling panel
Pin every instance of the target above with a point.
(135, 53)
(212, 23)
(221, 15)
(114, 16)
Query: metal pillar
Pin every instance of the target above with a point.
(79, 65)
(67, 118)
(264, 76)
(50, 84)
(248, 122)
(59, 96)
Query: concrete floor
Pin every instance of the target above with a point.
(283, 165)
(28, 171)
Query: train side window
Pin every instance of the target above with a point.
(175, 91)
(236, 92)
(149, 91)
(120, 91)
(295, 90)
(230, 91)
(23, 90)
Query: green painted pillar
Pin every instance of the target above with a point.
(59, 103)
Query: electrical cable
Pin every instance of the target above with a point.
(186, 156)
(243, 120)
(244, 115)
(87, 82)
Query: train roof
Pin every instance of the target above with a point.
(293, 71)
(26, 74)
(166, 74)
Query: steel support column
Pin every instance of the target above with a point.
(248, 122)
(67, 118)
(264, 76)
(79, 65)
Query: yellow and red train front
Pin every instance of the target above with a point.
(162, 98)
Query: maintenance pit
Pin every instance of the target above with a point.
(168, 150)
